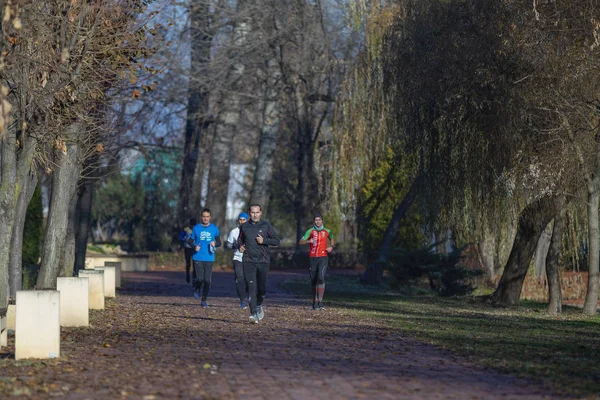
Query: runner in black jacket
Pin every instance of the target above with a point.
(255, 237)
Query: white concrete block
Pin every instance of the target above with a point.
(74, 301)
(96, 288)
(11, 317)
(109, 280)
(37, 333)
(3, 331)
(118, 268)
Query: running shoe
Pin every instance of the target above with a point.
(315, 306)
(260, 313)
(243, 305)
(254, 318)
(196, 294)
(203, 304)
(320, 306)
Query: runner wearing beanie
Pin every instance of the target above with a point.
(317, 238)
(238, 268)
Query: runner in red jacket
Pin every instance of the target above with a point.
(318, 237)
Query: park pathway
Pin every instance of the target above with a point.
(155, 342)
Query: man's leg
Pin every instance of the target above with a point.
(207, 267)
(187, 252)
(312, 271)
(250, 278)
(240, 282)
(196, 283)
(262, 271)
(321, 270)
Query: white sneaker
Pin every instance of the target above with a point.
(260, 313)
(254, 318)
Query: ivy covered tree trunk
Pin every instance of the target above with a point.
(64, 185)
(532, 222)
(552, 266)
(590, 305)
(15, 271)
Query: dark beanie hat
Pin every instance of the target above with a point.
(318, 215)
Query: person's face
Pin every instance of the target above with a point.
(205, 218)
(255, 213)
(318, 222)
(242, 220)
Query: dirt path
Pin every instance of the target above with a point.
(156, 342)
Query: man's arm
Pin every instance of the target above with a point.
(271, 238)
(231, 243)
(331, 241)
(304, 239)
(218, 241)
(241, 242)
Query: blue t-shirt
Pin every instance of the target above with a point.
(202, 236)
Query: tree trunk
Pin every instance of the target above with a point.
(541, 251)
(268, 138)
(84, 204)
(15, 271)
(9, 194)
(374, 272)
(198, 104)
(590, 305)
(15, 166)
(532, 221)
(226, 125)
(64, 185)
(486, 248)
(552, 266)
(68, 257)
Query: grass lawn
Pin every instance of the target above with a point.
(562, 351)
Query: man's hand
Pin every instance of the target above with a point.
(259, 239)
(197, 248)
(329, 249)
(242, 249)
(212, 243)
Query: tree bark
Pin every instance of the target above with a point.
(374, 272)
(590, 305)
(9, 194)
(552, 266)
(64, 185)
(15, 271)
(198, 105)
(487, 253)
(226, 125)
(263, 173)
(84, 204)
(532, 221)
(16, 163)
(68, 257)
(541, 251)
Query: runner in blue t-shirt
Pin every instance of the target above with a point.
(205, 237)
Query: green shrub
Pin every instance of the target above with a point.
(444, 272)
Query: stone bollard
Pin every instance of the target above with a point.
(3, 329)
(74, 301)
(11, 317)
(118, 268)
(37, 333)
(109, 280)
(96, 288)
